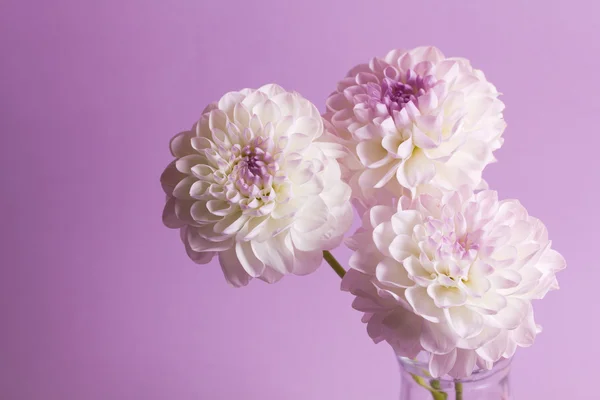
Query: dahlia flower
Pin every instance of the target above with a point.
(415, 118)
(452, 274)
(252, 184)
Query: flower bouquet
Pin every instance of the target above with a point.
(443, 270)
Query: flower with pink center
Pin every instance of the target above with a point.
(414, 118)
(253, 184)
(452, 274)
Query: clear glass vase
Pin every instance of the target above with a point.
(417, 384)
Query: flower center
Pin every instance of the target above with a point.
(395, 94)
(255, 166)
(468, 242)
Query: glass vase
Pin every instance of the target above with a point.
(417, 384)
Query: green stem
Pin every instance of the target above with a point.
(436, 393)
(458, 387)
(337, 267)
(435, 387)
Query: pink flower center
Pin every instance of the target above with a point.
(255, 166)
(395, 94)
(468, 242)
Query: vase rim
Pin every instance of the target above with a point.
(419, 367)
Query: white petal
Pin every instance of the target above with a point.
(428, 102)
(181, 144)
(254, 228)
(380, 214)
(487, 334)
(464, 364)
(312, 187)
(337, 102)
(367, 132)
(252, 265)
(511, 316)
(220, 207)
(525, 334)
(477, 283)
(392, 272)
(437, 338)
(274, 254)
(418, 169)
(505, 256)
(416, 270)
(185, 164)
(199, 212)
(333, 150)
(182, 210)
(199, 190)
(445, 297)
(202, 257)
(383, 235)
(170, 178)
(505, 278)
(372, 154)
(200, 244)
(366, 305)
(232, 268)
(312, 216)
(241, 115)
(421, 139)
(405, 149)
(403, 246)
(391, 143)
(275, 227)
(301, 173)
(169, 217)
(490, 303)
(253, 99)
(202, 172)
(520, 231)
(511, 348)
(337, 193)
(231, 224)
(422, 304)
(405, 221)
(440, 364)
(217, 120)
(298, 142)
(431, 204)
(286, 210)
(365, 260)
(404, 327)
(269, 275)
(311, 127)
(307, 262)
(551, 261)
(465, 322)
(378, 177)
(357, 283)
(493, 350)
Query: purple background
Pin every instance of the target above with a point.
(98, 300)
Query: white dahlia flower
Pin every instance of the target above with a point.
(252, 184)
(452, 274)
(415, 118)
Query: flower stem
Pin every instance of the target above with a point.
(337, 267)
(435, 388)
(436, 393)
(458, 387)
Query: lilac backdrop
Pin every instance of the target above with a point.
(98, 300)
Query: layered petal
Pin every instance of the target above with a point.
(253, 182)
(464, 264)
(412, 119)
